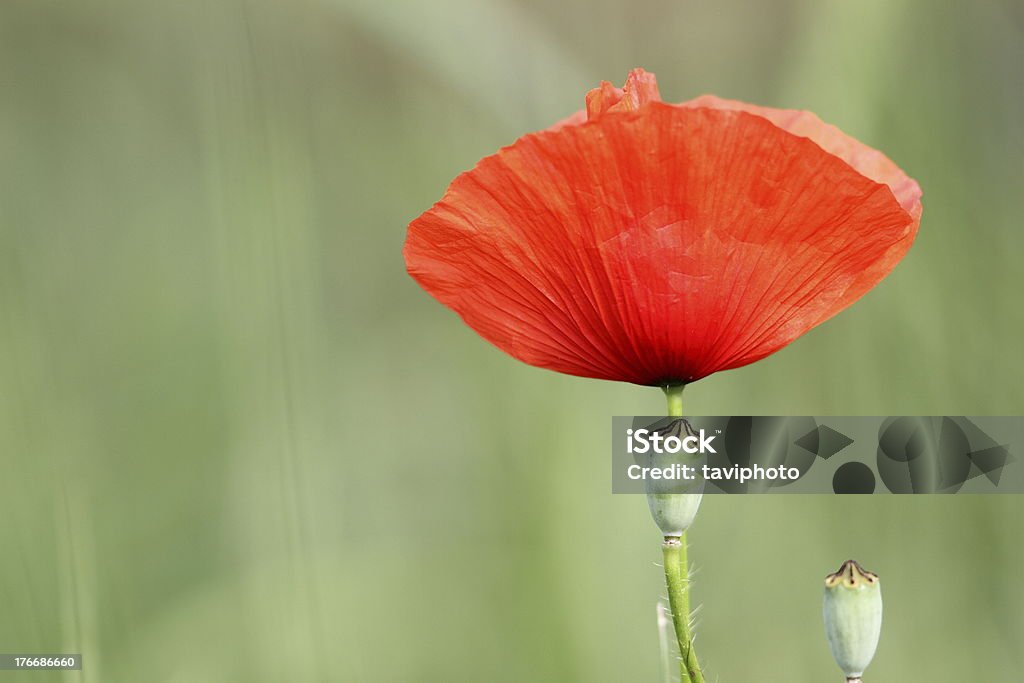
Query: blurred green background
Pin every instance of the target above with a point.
(239, 444)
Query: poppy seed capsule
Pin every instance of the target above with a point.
(673, 502)
(853, 617)
(673, 512)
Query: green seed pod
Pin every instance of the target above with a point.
(853, 617)
(673, 502)
(673, 512)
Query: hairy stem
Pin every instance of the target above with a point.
(677, 575)
(663, 643)
(678, 580)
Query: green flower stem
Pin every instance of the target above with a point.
(677, 576)
(674, 394)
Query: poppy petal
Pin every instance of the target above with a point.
(640, 88)
(867, 161)
(654, 245)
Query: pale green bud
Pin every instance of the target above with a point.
(853, 617)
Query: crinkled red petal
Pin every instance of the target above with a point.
(864, 159)
(662, 244)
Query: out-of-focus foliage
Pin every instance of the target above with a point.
(237, 443)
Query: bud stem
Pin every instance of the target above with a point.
(677, 575)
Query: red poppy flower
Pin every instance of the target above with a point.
(657, 243)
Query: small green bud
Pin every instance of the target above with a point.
(853, 617)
